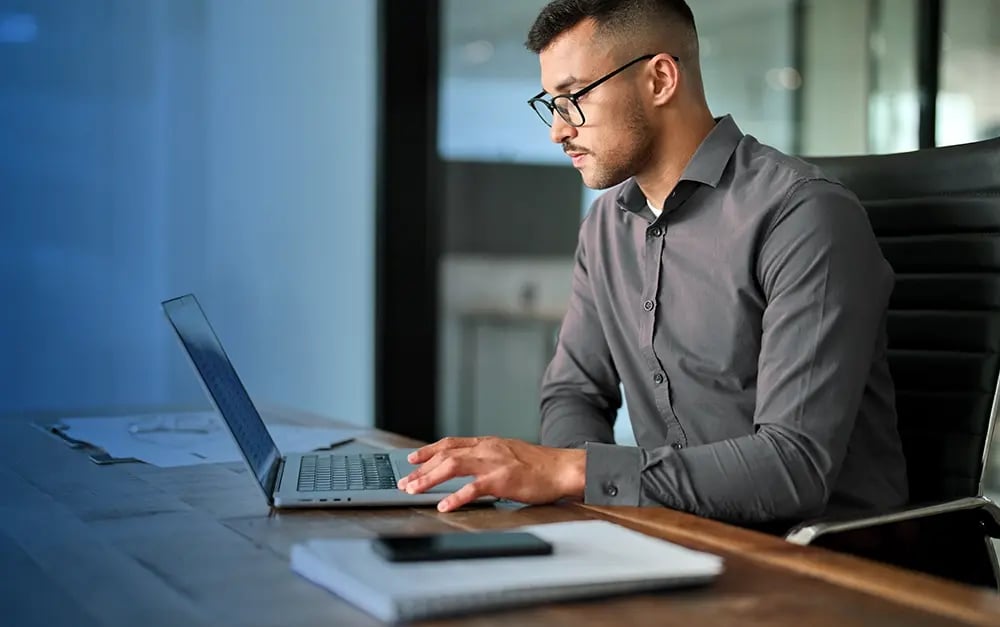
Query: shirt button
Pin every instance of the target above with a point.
(657, 378)
(648, 305)
(610, 489)
(656, 232)
(676, 446)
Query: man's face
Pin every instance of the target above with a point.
(614, 142)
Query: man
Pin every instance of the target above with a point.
(737, 293)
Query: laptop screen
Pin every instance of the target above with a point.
(224, 386)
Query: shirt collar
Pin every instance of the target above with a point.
(706, 165)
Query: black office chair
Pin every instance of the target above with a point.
(936, 213)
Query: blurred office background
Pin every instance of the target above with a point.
(157, 147)
(373, 243)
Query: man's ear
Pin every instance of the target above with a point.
(665, 78)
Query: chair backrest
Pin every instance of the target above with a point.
(936, 214)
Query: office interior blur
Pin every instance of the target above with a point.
(255, 153)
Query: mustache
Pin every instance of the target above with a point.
(567, 147)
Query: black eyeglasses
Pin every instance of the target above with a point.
(568, 105)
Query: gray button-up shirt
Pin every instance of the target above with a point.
(747, 324)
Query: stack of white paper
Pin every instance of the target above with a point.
(590, 558)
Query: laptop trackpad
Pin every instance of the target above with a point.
(404, 468)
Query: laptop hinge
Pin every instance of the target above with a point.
(274, 475)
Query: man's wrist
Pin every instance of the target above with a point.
(574, 473)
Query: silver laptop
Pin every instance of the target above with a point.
(316, 479)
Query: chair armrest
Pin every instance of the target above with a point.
(808, 531)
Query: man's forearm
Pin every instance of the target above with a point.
(768, 476)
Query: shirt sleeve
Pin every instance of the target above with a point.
(580, 396)
(827, 287)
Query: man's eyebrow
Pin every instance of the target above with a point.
(565, 84)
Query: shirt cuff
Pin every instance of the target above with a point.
(612, 476)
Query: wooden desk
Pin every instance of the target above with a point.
(132, 544)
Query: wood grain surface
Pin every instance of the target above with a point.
(133, 544)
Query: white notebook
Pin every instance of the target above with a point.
(590, 558)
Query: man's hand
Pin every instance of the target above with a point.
(511, 469)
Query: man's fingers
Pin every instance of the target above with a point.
(466, 494)
(420, 471)
(424, 453)
(444, 470)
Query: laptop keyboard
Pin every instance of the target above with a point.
(325, 473)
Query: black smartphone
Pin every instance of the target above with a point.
(451, 546)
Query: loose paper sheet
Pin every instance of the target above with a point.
(187, 438)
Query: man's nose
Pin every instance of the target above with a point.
(561, 130)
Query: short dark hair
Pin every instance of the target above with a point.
(610, 15)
